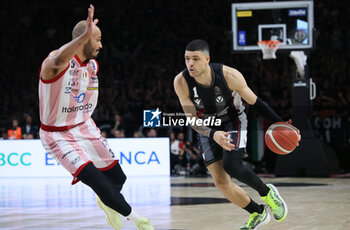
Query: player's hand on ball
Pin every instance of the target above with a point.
(221, 138)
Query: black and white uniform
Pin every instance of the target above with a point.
(220, 102)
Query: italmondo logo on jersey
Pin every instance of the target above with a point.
(86, 107)
(155, 118)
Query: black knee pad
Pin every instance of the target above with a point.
(232, 163)
(116, 176)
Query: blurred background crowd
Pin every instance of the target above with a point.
(143, 47)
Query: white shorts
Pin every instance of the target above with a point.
(76, 147)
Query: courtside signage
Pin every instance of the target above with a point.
(138, 157)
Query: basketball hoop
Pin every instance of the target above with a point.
(269, 48)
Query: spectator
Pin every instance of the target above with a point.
(137, 134)
(174, 152)
(151, 132)
(119, 133)
(28, 129)
(118, 124)
(15, 132)
(181, 138)
(104, 133)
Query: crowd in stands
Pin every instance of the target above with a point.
(143, 47)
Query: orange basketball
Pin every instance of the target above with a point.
(281, 138)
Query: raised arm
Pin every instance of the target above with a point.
(189, 108)
(59, 59)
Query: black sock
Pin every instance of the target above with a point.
(253, 207)
(265, 191)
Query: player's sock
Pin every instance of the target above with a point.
(253, 207)
(264, 191)
(133, 216)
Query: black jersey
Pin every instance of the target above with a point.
(216, 100)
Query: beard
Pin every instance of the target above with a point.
(89, 51)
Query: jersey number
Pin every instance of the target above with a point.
(195, 92)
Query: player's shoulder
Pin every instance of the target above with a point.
(229, 69)
(180, 84)
(230, 72)
(179, 79)
(52, 54)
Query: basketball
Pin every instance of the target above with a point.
(281, 138)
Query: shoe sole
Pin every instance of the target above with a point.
(266, 221)
(284, 203)
(101, 205)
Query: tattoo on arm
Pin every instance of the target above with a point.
(204, 130)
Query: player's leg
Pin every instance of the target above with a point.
(104, 189)
(212, 154)
(235, 194)
(223, 182)
(111, 201)
(233, 165)
(106, 162)
(116, 176)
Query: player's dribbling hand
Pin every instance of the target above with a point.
(221, 138)
(90, 21)
(290, 123)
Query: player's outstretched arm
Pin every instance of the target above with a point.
(58, 59)
(189, 108)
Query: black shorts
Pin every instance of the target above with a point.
(213, 152)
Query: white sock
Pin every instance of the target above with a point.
(133, 216)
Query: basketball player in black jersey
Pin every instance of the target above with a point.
(215, 90)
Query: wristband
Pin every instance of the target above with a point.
(211, 134)
(266, 111)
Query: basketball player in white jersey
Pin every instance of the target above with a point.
(208, 90)
(68, 91)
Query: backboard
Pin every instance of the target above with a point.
(290, 22)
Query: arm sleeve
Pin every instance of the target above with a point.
(266, 111)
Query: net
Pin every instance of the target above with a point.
(269, 48)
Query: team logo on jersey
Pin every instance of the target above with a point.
(80, 98)
(151, 118)
(197, 101)
(219, 99)
(67, 89)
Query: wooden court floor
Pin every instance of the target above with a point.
(170, 203)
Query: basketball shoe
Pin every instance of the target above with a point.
(113, 217)
(276, 203)
(256, 220)
(144, 224)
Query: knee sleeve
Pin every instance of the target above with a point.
(116, 176)
(96, 180)
(233, 165)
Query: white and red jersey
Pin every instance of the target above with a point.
(70, 98)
